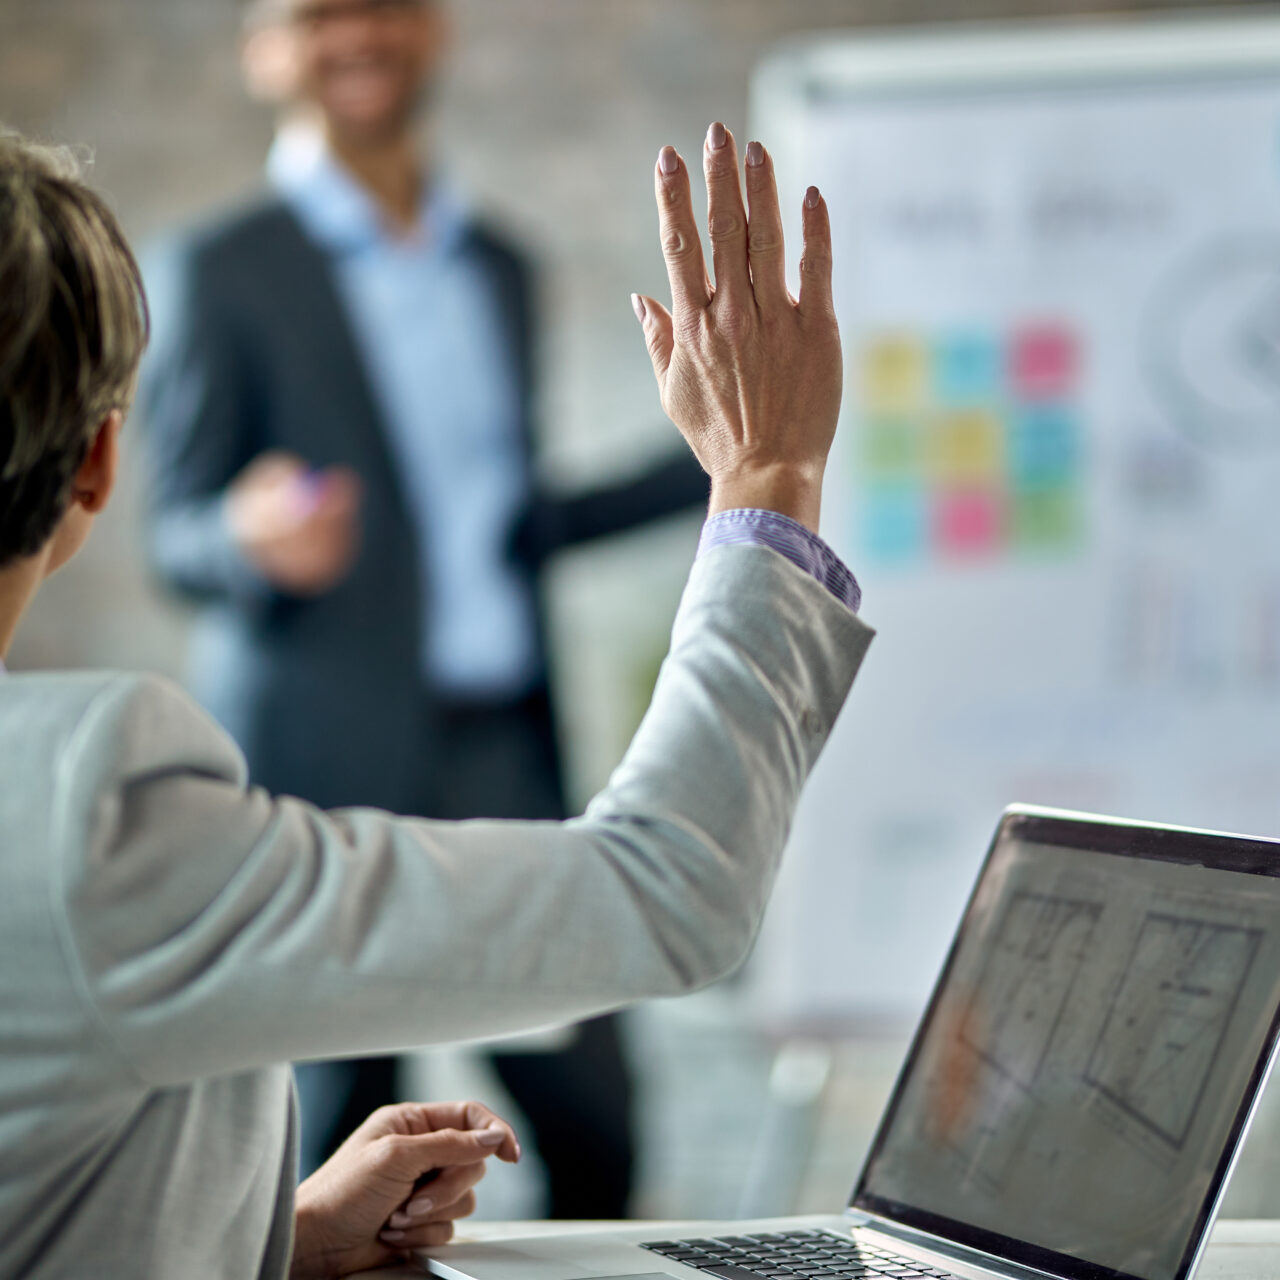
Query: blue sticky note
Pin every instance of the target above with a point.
(968, 370)
(895, 522)
(1044, 448)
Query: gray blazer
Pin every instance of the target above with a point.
(171, 937)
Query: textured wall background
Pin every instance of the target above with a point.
(551, 117)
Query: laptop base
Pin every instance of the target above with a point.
(619, 1255)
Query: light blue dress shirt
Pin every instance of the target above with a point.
(425, 320)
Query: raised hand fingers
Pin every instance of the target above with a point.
(726, 216)
(659, 335)
(764, 231)
(681, 247)
(815, 266)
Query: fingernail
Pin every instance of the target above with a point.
(637, 305)
(716, 136)
(391, 1237)
(755, 154)
(668, 161)
(399, 1219)
(518, 1150)
(491, 1137)
(811, 198)
(416, 1209)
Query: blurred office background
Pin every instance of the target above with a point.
(551, 115)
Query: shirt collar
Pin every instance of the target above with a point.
(338, 213)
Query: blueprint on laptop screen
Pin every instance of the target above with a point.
(1084, 1065)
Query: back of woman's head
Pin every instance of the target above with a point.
(73, 326)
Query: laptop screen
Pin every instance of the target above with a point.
(1087, 1063)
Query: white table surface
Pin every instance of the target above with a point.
(1238, 1250)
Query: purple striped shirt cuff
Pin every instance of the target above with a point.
(752, 528)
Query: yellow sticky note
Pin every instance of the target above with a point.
(895, 375)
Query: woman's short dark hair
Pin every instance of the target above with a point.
(73, 326)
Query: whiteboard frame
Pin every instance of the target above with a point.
(1034, 52)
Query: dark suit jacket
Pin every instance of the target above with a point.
(253, 351)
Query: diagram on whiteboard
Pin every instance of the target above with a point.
(1213, 344)
(1159, 1045)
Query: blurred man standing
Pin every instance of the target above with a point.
(339, 408)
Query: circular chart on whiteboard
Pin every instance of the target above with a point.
(1212, 344)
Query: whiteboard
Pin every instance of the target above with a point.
(1057, 475)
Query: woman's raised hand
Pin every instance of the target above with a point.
(750, 375)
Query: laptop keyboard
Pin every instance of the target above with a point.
(787, 1255)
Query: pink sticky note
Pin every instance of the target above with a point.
(966, 523)
(1045, 361)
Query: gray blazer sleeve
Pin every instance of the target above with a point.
(197, 408)
(215, 928)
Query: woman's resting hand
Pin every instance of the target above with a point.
(750, 375)
(368, 1204)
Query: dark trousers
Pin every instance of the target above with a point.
(500, 762)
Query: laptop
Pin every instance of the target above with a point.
(1074, 1097)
